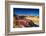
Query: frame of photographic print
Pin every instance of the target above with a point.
(7, 18)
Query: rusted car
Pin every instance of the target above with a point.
(23, 22)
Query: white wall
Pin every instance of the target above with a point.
(2, 18)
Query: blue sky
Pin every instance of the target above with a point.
(26, 11)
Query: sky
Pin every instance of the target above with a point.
(26, 11)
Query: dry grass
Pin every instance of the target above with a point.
(35, 19)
